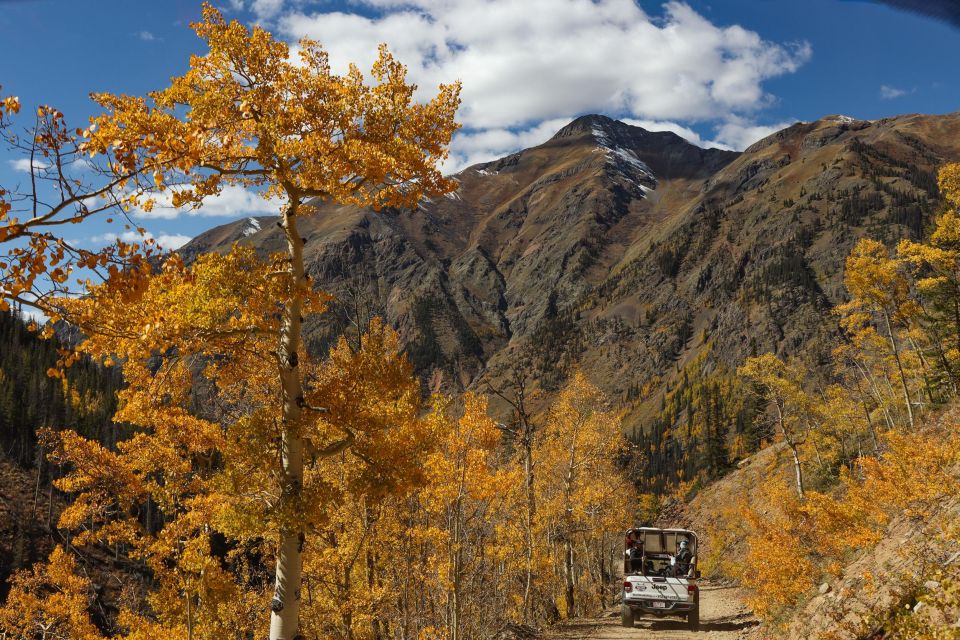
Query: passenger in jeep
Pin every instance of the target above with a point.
(636, 557)
(684, 558)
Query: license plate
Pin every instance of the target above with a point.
(659, 605)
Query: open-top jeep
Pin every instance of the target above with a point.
(660, 575)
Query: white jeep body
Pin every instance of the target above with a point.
(654, 581)
(654, 595)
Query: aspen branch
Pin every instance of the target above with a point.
(337, 447)
(303, 404)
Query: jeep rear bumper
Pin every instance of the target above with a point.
(671, 607)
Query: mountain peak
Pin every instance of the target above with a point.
(601, 127)
(660, 153)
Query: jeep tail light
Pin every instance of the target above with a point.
(691, 589)
(627, 586)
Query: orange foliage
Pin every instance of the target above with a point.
(50, 602)
(792, 543)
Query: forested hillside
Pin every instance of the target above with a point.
(84, 400)
(847, 526)
(654, 266)
(30, 400)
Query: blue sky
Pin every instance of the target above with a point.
(718, 72)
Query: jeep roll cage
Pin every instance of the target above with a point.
(648, 550)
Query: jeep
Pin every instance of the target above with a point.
(660, 575)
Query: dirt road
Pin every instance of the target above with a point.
(722, 616)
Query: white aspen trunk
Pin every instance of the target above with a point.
(896, 356)
(36, 487)
(347, 615)
(798, 470)
(453, 571)
(372, 579)
(869, 379)
(531, 510)
(923, 370)
(866, 414)
(568, 574)
(942, 357)
(956, 316)
(285, 606)
(455, 605)
(816, 450)
(455, 525)
(189, 618)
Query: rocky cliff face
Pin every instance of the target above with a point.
(626, 252)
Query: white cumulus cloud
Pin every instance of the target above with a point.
(740, 134)
(526, 64)
(172, 240)
(471, 147)
(686, 133)
(23, 164)
(165, 240)
(232, 201)
(263, 9)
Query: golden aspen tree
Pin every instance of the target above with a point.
(370, 390)
(936, 265)
(424, 558)
(605, 515)
(180, 480)
(839, 428)
(878, 288)
(781, 386)
(248, 114)
(949, 182)
(463, 491)
(578, 450)
(777, 566)
(523, 432)
(789, 540)
(864, 358)
(210, 472)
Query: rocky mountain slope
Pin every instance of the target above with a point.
(630, 253)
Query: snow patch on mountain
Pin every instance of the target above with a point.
(635, 169)
(600, 135)
(253, 226)
(631, 158)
